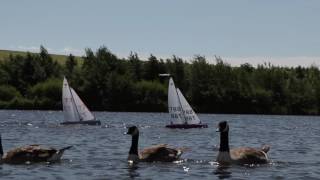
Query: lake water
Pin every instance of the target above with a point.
(100, 152)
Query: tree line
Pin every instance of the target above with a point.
(107, 82)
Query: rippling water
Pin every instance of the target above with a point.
(100, 152)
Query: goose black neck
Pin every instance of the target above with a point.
(1, 149)
(224, 141)
(134, 144)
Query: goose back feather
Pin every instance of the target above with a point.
(248, 155)
(160, 152)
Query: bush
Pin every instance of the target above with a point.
(20, 103)
(7, 93)
(151, 96)
(47, 95)
(51, 89)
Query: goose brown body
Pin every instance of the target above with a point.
(241, 155)
(248, 155)
(161, 152)
(30, 154)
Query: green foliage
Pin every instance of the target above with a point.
(135, 66)
(176, 67)
(8, 93)
(152, 68)
(97, 73)
(70, 65)
(18, 103)
(60, 59)
(106, 82)
(23, 72)
(151, 96)
(47, 94)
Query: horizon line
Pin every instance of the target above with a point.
(281, 61)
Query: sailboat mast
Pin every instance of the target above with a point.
(78, 114)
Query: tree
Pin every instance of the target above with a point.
(51, 68)
(152, 68)
(135, 66)
(70, 64)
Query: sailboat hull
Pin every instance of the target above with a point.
(89, 122)
(186, 126)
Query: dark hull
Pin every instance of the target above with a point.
(89, 122)
(186, 126)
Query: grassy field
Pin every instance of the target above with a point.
(4, 54)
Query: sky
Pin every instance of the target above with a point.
(285, 32)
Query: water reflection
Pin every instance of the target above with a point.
(222, 172)
(132, 170)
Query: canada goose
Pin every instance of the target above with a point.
(159, 152)
(30, 153)
(242, 155)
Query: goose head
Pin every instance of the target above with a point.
(223, 127)
(133, 130)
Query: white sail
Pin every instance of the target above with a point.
(82, 109)
(69, 107)
(174, 107)
(189, 115)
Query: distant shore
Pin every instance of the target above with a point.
(106, 82)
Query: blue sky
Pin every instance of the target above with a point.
(285, 32)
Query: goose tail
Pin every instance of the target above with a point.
(65, 148)
(181, 150)
(265, 148)
(57, 156)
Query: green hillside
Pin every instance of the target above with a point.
(4, 54)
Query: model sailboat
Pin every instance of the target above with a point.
(181, 113)
(75, 111)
